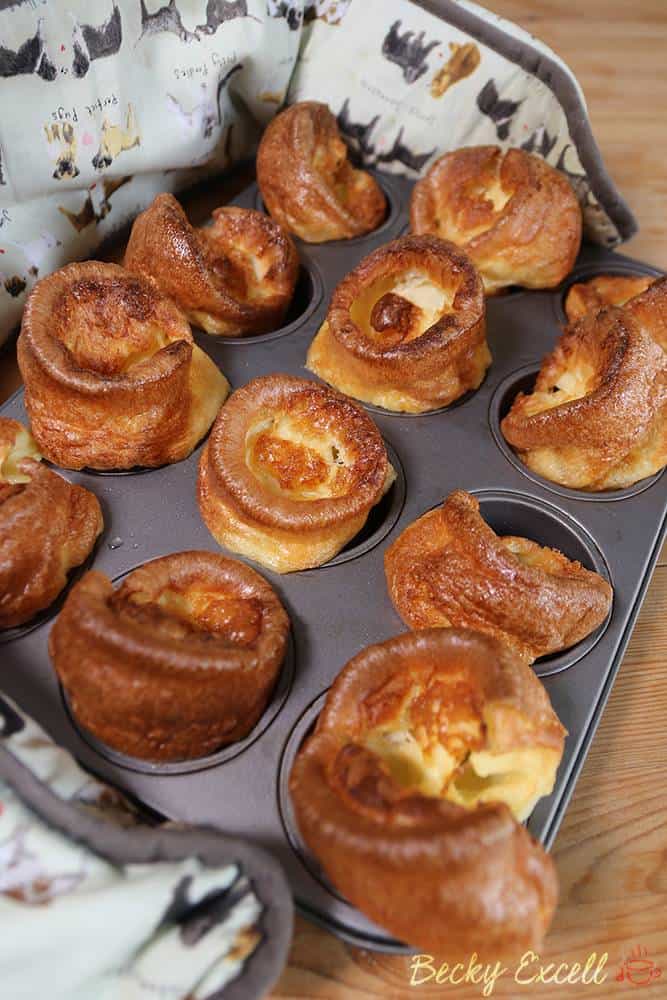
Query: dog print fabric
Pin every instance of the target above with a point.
(104, 105)
(178, 929)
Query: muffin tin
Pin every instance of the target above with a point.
(339, 608)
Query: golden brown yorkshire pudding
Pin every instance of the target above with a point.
(235, 277)
(47, 527)
(177, 662)
(307, 182)
(112, 376)
(290, 472)
(517, 218)
(603, 290)
(597, 417)
(426, 747)
(450, 568)
(406, 328)
(649, 310)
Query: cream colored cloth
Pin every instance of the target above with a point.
(104, 105)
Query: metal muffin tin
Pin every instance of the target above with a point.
(343, 606)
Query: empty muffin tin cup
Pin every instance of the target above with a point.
(523, 380)
(275, 703)
(509, 513)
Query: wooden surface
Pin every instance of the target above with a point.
(611, 851)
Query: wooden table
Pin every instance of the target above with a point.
(611, 851)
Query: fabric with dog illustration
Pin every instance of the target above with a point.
(177, 928)
(104, 105)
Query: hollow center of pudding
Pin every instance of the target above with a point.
(400, 308)
(434, 739)
(12, 453)
(290, 459)
(478, 204)
(179, 613)
(111, 325)
(566, 386)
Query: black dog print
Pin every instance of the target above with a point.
(195, 919)
(219, 11)
(540, 142)
(90, 43)
(500, 112)
(167, 19)
(356, 131)
(30, 57)
(289, 9)
(359, 135)
(408, 51)
(400, 153)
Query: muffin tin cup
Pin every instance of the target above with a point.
(507, 390)
(339, 608)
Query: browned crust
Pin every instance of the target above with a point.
(209, 272)
(649, 310)
(227, 483)
(47, 527)
(445, 361)
(444, 878)
(532, 240)
(307, 181)
(598, 440)
(112, 377)
(154, 685)
(603, 290)
(450, 568)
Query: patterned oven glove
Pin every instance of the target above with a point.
(97, 905)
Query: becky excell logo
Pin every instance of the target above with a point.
(637, 969)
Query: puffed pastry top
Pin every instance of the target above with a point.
(307, 181)
(48, 526)
(429, 747)
(235, 277)
(515, 216)
(113, 378)
(597, 416)
(450, 568)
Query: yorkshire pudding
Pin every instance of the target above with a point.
(290, 472)
(450, 568)
(517, 218)
(596, 418)
(406, 328)
(235, 277)
(307, 182)
(177, 662)
(112, 376)
(47, 527)
(427, 748)
(603, 290)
